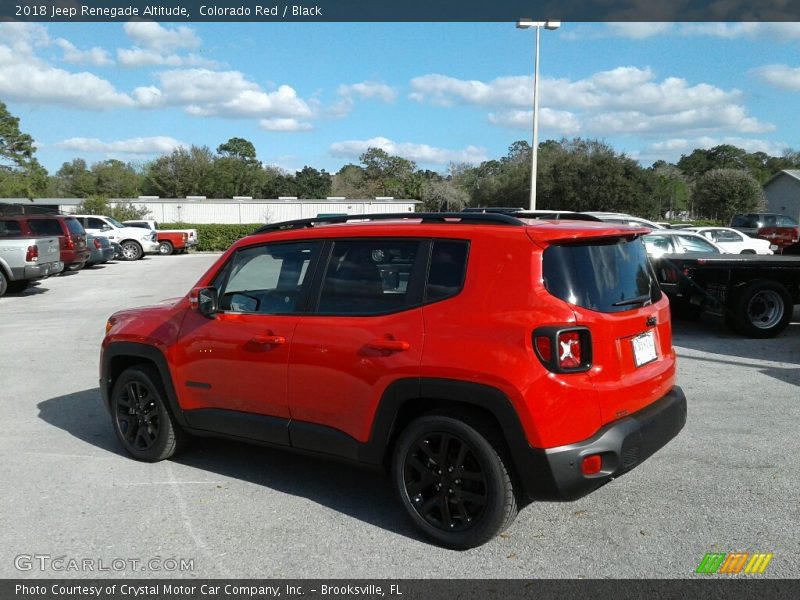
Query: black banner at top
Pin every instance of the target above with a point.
(398, 10)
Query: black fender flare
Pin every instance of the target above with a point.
(147, 353)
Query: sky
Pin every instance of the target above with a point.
(320, 94)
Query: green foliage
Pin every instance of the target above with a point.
(20, 172)
(721, 193)
(237, 147)
(215, 238)
(122, 211)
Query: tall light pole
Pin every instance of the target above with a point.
(526, 24)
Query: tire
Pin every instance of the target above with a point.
(761, 309)
(142, 420)
(15, 287)
(165, 248)
(453, 481)
(3, 283)
(131, 250)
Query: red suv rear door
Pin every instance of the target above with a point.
(366, 331)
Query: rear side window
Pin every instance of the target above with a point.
(75, 227)
(447, 269)
(744, 221)
(45, 226)
(370, 277)
(10, 229)
(695, 244)
(606, 277)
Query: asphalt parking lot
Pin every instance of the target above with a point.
(727, 483)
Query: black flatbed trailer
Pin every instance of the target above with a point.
(754, 294)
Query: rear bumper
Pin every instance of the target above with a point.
(149, 246)
(31, 272)
(555, 473)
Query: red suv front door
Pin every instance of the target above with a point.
(238, 360)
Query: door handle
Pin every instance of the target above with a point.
(389, 345)
(273, 340)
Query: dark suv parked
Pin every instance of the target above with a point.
(71, 235)
(486, 360)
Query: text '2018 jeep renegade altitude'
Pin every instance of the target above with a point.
(486, 360)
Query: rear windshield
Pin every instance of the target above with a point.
(45, 226)
(75, 227)
(607, 277)
(10, 229)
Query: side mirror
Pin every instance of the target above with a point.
(105, 228)
(205, 301)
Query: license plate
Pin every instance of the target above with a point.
(644, 348)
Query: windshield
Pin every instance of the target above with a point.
(115, 223)
(611, 276)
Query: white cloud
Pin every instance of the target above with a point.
(629, 30)
(557, 122)
(153, 36)
(784, 32)
(369, 90)
(95, 56)
(44, 84)
(222, 93)
(622, 101)
(780, 76)
(421, 153)
(23, 37)
(137, 57)
(136, 146)
(284, 125)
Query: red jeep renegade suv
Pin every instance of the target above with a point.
(486, 360)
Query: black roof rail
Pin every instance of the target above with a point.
(424, 217)
(555, 215)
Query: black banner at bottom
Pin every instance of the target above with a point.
(399, 589)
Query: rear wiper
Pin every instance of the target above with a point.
(637, 300)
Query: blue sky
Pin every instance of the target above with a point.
(321, 93)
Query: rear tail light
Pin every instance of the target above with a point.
(591, 464)
(97, 244)
(564, 350)
(32, 254)
(69, 243)
(795, 234)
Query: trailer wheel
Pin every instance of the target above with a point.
(762, 309)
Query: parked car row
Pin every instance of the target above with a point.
(37, 246)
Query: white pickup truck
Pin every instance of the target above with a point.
(168, 243)
(24, 259)
(134, 241)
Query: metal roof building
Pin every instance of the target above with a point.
(783, 193)
(201, 210)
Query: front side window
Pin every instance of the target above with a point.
(370, 277)
(267, 279)
(94, 223)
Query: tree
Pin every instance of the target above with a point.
(19, 169)
(74, 180)
(443, 195)
(721, 193)
(115, 179)
(181, 173)
(237, 147)
(310, 183)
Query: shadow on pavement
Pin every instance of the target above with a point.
(364, 494)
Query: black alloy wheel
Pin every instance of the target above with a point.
(142, 421)
(452, 477)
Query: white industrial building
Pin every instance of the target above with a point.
(201, 210)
